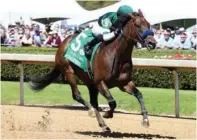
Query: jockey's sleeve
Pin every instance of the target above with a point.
(108, 36)
(107, 20)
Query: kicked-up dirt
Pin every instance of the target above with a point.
(57, 123)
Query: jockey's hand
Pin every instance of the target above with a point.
(117, 31)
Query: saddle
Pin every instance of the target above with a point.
(75, 52)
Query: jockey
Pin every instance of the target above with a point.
(111, 22)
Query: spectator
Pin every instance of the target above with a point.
(168, 30)
(27, 30)
(37, 38)
(63, 34)
(12, 35)
(166, 41)
(13, 40)
(172, 34)
(56, 28)
(3, 36)
(20, 33)
(176, 30)
(48, 28)
(178, 33)
(49, 40)
(158, 35)
(194, 38)
(53, 40)
(184, 42)
(36, 27)
(16, 31)
(26, 40)
(153, 29)
(44, 35)
(56, 39)
(32, 31)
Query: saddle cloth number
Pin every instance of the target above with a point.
(75, 46)
(75, 50)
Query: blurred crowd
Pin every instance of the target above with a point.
(176, 39)
(18, 35)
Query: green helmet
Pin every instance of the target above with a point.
(124, 10)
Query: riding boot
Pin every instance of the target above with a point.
(89, 47)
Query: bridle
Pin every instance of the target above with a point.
(135, 30)
(140, 38)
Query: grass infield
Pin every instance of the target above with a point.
(157, 101)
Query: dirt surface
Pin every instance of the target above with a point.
(56, 123)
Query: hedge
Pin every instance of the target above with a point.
(142, 78)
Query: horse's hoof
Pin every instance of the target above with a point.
(108, 115)
(106, 130)
(145, 123)
(91, 112)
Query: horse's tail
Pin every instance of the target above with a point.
(39, 83)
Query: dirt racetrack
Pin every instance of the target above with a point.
(58, 123)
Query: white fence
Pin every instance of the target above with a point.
(172, 65)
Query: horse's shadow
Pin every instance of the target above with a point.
(124, 135)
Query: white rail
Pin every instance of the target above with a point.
(172, 65)
(138, 62)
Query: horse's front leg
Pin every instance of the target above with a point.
(102, 87)
(132, 90)
(94, 102)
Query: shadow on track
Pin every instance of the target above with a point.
(124, 135)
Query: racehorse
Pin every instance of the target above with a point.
(112, 67)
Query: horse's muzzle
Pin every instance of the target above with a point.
(150, 42)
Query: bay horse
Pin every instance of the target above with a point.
(112, 67)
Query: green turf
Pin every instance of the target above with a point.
(137, 53)
(157, 101)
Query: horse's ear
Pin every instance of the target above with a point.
(140, 13)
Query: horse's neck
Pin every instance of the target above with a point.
(125, 49)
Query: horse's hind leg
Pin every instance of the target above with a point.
(106, 93)
(132, 90)
(69, 76)
(94, 102)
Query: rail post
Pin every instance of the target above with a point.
(20, 66)
(176, 86)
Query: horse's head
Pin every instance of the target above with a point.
(138, 29)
